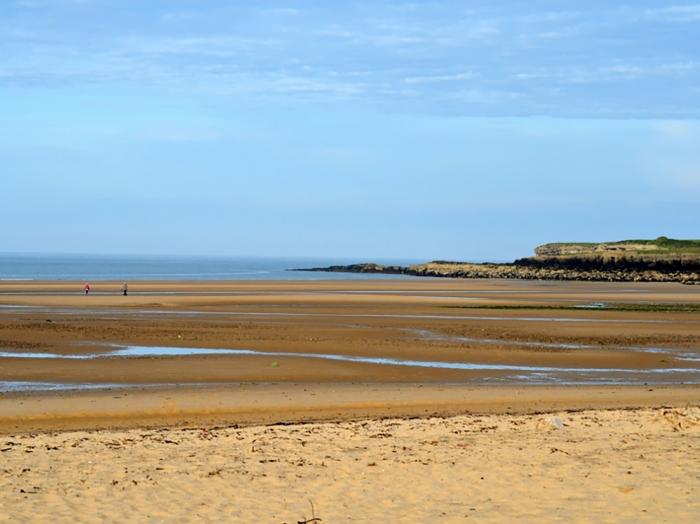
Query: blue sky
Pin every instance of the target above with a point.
(382, 129)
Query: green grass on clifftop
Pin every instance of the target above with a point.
(670, 244)
(657, 246)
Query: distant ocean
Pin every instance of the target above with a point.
(92, 267)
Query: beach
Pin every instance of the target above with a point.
(394, 400)
(336, 262)
(588, 466)
(475, 332)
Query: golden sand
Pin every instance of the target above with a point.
(591, 466)
(380, 443)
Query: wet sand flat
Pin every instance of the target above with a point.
(400, 320)
(284, 403)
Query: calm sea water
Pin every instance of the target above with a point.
(91, 267)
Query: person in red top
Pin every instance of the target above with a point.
(87, 287)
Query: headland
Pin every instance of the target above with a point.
(659, 260)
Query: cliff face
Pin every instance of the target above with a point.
(555, 269)
(562, 249)
(662, 255)
(660, 260)
(667, 264)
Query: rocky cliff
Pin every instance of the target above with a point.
(660, 260)
(528, 269)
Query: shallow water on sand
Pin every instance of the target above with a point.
(504, 373)
(7, 386)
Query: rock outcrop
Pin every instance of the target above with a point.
(528, 269)
(660, 260)
(369, 267)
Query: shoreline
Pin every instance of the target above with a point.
(343, 340)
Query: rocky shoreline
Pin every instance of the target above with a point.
(537, 268)
(660, 260)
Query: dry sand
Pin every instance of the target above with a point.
(511, 452)
(592, 466)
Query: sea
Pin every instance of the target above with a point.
(22, 267)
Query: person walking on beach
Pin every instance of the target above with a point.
(125, 288)
(87, 287)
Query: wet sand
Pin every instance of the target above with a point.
(365, 456)
(401, 320)
(265, 403)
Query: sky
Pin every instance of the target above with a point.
(461, 130)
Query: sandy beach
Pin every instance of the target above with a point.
(590, 466)
(399, 401)
(335, 262)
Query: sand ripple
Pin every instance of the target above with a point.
(622, 466)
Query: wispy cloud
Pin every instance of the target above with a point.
(280, 11)
(428, 79)
(41, 4)
(419, 56)
(676, 13)
(390, 34)
(483, 96)
(214, 45)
